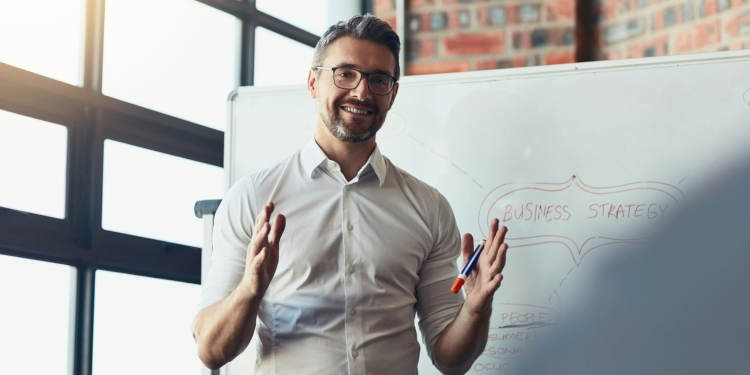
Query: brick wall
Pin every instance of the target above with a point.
(460, 35)
(641, 28)
(386, 10)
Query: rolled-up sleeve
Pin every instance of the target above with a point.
(436, 305)
(233, 225)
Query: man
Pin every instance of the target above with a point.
(365, 244)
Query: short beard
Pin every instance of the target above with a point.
(336, 126)
(339, 131)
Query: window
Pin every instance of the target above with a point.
(35, 317)
(169, 65)
(280, 60)
(32, 163)
(180, 57)
(151, 194)
(44, 36)
(143, 325)
(309, 15)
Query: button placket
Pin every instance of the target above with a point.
(352, 330)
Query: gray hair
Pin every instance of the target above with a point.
(364, 27)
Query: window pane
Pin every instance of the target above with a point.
(180, 57)
(143, 325)
(35, 316)
(152, 194)
(309, 15)
(44, 36)
(280, 60)
(33, 159)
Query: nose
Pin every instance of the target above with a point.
(361, 91)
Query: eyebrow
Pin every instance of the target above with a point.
(348, 65)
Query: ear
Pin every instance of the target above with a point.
(312, 82)
(393, 95)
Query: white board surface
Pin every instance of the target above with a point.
(578, 160)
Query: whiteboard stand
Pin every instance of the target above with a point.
(205, 210)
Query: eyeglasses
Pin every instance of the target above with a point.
(348, 78)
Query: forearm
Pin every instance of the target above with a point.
(463, 339)
(224, 329)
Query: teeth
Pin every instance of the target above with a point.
(355, 111)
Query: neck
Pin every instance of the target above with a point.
(350, 156)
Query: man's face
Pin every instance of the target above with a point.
(353, 115)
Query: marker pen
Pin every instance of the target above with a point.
(467, 268)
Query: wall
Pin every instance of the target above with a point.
(461, 35)
(642, 28)
(458, 35)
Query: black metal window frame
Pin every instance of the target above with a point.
(90, 117)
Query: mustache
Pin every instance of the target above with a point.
(360, 103)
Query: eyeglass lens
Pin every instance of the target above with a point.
(378, 83)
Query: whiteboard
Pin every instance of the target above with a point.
(578, 160)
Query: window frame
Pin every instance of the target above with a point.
(90, 117)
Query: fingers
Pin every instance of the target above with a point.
(503, 255)
(497, 241)
(277, 230)
(467, 246)
(502, 248)
(259, 240)
(499, 262)
(500, 237)
(262, 217)
(257, 261)
(494, 255)
(495, 281)
(260, 230)
(489, 250)
(274, 238)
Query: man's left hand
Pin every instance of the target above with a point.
(484, 280)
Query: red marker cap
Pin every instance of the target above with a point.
(457, 285)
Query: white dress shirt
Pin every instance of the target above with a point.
(356, 261)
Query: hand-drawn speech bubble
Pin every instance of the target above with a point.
(578, 216)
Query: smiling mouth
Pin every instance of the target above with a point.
(356, 111)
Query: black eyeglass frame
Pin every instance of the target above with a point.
(362, 74)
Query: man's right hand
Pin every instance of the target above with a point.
(224, 329)
(262, 253)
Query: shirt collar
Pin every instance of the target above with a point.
(377, 161)
(312, 158)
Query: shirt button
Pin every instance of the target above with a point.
(352, 312)
(351, 269)
(350, 227)
(355, 354)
